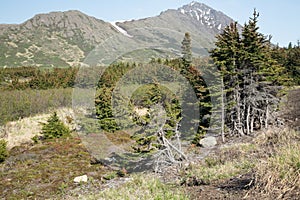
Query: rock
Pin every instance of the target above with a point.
(208, 142)
(79, 179)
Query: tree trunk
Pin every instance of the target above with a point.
(252, 124)
(222, 110)
(248, 120)
(267, 116)
(238, 111)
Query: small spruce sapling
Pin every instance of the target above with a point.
(54, 128)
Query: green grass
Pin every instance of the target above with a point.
(3, 150)
(208, 173)
(142, 187)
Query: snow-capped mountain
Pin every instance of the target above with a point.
(205, 15)
(69, 38)
(168, 28)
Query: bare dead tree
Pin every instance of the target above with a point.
(170, 150)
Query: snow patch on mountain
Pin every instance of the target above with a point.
(196, 13)
(192, 3)
(203, 14)
(220, 26)
(121, 30)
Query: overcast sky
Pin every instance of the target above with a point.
(279, 18)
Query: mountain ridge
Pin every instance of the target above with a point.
(66, 38)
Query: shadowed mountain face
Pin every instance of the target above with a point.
(72, 38)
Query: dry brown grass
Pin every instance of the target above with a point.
(266, 166)
(21, 131)
(279, 175)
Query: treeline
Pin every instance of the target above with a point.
(289, 58)
(21, 78)
(27, 91)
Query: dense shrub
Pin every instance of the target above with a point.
(35, 78)
(18, 104)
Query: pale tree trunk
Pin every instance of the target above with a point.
(222, 110)
(244, 110)
(238, 111)
(267, 116)
(170, 153)
(248, 120)
(252, 124)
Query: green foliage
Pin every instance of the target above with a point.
(29, 77)
(54, 128)
(35, 139)
(149, 96)
(289, 58)
(110, 176)
(104, 110)
(249, 76)
(103, 100)
(3, 150)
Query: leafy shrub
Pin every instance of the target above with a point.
(54, 128)
(3, 150)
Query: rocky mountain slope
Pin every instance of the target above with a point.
(200, 20)
(72, 38)
(57, 38)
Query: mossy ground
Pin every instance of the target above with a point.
(46, 170)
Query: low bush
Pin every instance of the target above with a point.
(18, 104)
(3, 150)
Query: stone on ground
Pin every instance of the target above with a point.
(208, 142)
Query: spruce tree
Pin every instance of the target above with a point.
(54, 128)
(249, 75)
(260, 76)
(227, 58)
(186, 50)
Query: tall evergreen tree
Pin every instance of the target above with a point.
(249, 74)
(227, 57)
(260, 74)
(186, 50)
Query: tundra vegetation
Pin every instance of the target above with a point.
(258, 152)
